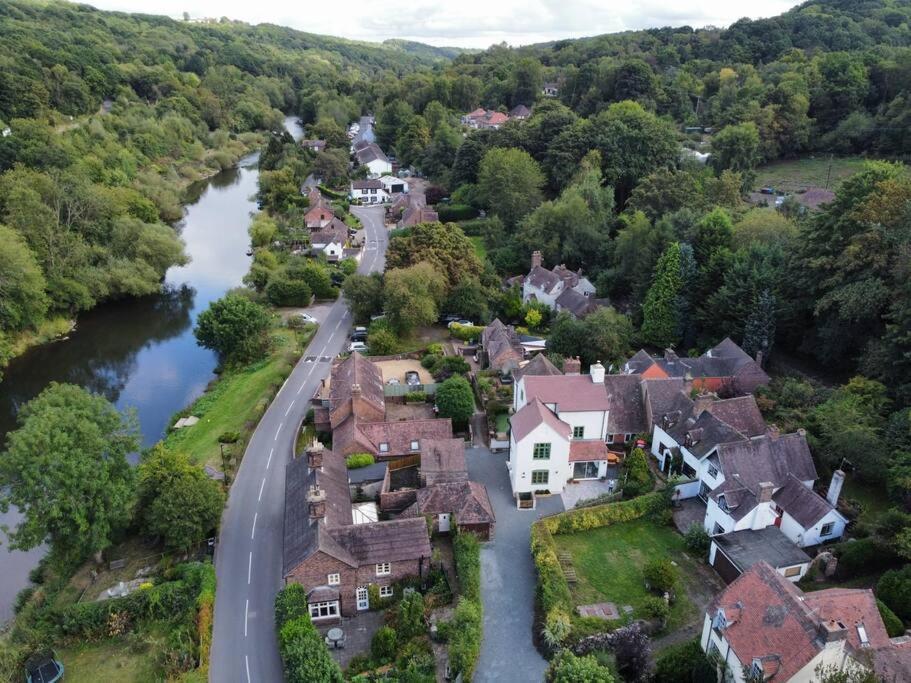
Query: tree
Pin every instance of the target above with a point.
(684, 663)
(364, 295)
(331, 165)
(305, 655)
(316, 275)
(66, 469)
(282, 291)
(568, 668)
(660, 574)
(737, 148)
(235, 328)
(445, 247)
(411, 616)
(660, 314)
(23, 302)
(178, 502)
(412, 296)
(455, 400)
(509, 183)
(638, 477)
(636, 250)
(759, 332)
(290, 604)
(632, 651)
(894, 589)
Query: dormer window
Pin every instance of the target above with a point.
(384, 447)
(756, 672)
(722, 502)
(713, 471)
(720, 622)
(415, 445)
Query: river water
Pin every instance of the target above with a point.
(141, 353)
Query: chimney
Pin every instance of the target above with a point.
(759, 358)
(355, 389)
(832, 631)
(838, 480)
(316, 500)
(572, 366)
(765, 491)
(773, 432)
(596, 370)
(670, 355)
(802, 432)
(702, 403)
(315, 455)
(536, 259)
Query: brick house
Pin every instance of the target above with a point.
(335, 559)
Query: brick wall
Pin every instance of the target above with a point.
(397, 500)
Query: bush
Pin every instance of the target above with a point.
(415, 396)
(357, 460)
(383, 342)
(304, 654)
(684, 662)
(465, 332)
(465, 638)
(467, 551)
(447, 366)
(638, 476)
(455, 400)
(656, 608)
(229, 437)
(284, 292)
(864, 556)
(434, 349)
(894, 589)
(660, 575)
(452, 213)
(697, 540)
(382, 647)
(894, 625)
(568, 668)
(555, 602)
(430, 360)
(411, 616)
(581, 519)
(290, 603)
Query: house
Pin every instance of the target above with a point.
(370, 155)
(314, 145)
(368, 191)
(394, 186)
(414, 215)
(537, 366)
(558, 430)
(319, 214)
(520, 112)
(724, 368)
(330, 240)
(560, 288)
(551, 89)
(734, 553)
(762, 627)
(484, 118)
(464, 503)
(335, 559)
(626, 417)
(501, 347)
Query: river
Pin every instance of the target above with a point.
(141, 353)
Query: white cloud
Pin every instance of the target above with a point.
(465, 23)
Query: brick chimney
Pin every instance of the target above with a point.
(572, 366)
(536, 259)
(702, 403)
(765, 491)
(832, 631)
(773, 432)
(316, 500)
(315, 455)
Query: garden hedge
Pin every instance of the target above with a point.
(452, 213)
(467, 551)
(581, 519)
(465, 627)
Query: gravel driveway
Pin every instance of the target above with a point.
(507, 578)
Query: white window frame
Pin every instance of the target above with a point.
(384, 447)
(386, 591)
(323, 610)
(362, 598)
(383, 568)
(712, 471)
(416, 445)
(827, 529)
(333, 579)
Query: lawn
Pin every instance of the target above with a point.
(479, 248)
(114, 660)
(238, 399)
(871, 499)
(799, 174)
(609, 562)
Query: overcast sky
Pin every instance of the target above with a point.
(463, 23)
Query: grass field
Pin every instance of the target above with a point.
(237, 400)
(479, 247)
(609, 562)
(114, 660)
(871, 498)
(799, 174)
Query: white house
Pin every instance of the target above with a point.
(550, 89)
(558, 431)
(547, 286)
(368, 191)
(370, 155)
(393, 185)
(330, 240)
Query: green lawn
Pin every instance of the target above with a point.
(503, 422)
(799, 174)
(609, 562)
(479, 248)
(237, 400)
(113, 660)
(872, 499)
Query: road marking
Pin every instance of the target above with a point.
(300, 388)
(261, 487)
(246, 613)
(253, 530)
(279, 430)
(289, 408)
(337, 325)
(250, 568)
(247, 661)
(269, 461)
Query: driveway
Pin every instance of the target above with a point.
(507, 577)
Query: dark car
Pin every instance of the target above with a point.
(412, 378)
(359, 334)
(767, 190)
(43, 668)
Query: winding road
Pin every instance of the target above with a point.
(249, 556)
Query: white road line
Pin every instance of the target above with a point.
(253, 530)
(337, 325)
(279, 430)
(300, 388)
(289, 408)
(250, 568)
(269, 461)
(261, 487)
(246, 614)
(247, 662)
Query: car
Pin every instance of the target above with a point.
(767, 190)
(357, 346)
(44, 668)
(392, 381)
(307, 318)
(461, 322)
(359, 337)
(412, 378)
(449, 318)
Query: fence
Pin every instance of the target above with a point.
(403, 462)
(405, 389)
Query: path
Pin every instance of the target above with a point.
(249, 556)
(507, 578)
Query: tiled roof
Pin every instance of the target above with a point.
(533, 414)
(664, 397)
(568, 392)
(467, 500)
(443, 460)
(723, 360)
(390, 541)
(542, 278)
(519, 111)
(701, 434)
(335, 232)
(399, 435)
(356, 370)
(741, 413)
(627, 413)
(537, 366)
(590, 449)
(370, 152)
(893, 663)
(578, 304)
(852, 607)
(504, 351)
(802, 503)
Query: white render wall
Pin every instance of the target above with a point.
(791, 528)
(594, 422)
(521, 462)
(546, 298)
(378, 167)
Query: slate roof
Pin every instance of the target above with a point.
(374, 472)
(390, 541)
(578, 304)
(370, 152)
(539, 365)
(504, 351)
(367, 185)
(443, 460)
(533, 414)
(664, 397)
(627, 411)
(520, 111)
(568, 392)
(802, 503)
(467, 500)
(725, 359)
(639, 363)
(542, 278)
(741, 413)
(746, 548)
(700, 434)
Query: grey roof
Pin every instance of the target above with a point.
(725, 359)
(390, 541)
(542, 278)
(801, 502)
(538, 365)
(746, 548)
(367, 185)
(664, 397)
(701, 434)
(443, 460)
(467, 500)
(504, 351)
(640, 362)
(577, 304)
(741, 413)
(374, 472)
(627, 412)
(520, 110)
(370, 153)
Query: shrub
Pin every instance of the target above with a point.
(656, 608)
(430, 360)
(434, 349)
(864, 556)
(581, 519)
(466, 332)
(357, 460)
(383, 342)
(697, 540)
(382, 647)
(304, 654)
(290, 603)
(455, 400)
(568, 668)
(660, 575)
(638, 476)
(555, 602)
(684, 662)
(284, 292)
(415, 396)
(467, 551)
(894, 625)
(411, 615)
(448, 366)
(465, 637)
(894, 589)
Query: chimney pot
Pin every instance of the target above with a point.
(572, 365)
(773, 432)
(596, 370)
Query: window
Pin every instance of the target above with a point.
(722, 502)
(385, 591)
(610, 438)
(333, 579)
(384, 447)
(827, 529)
(323, 610)
(627, 437)
(717, 529)
(383, 569)
(541, 451)
(792, 571)
(415, 445)
(579, 432)
(713, 471)
(540, 477)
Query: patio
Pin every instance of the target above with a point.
(359, 632)
(586, 489)
(687, 512)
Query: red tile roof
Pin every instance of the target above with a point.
(399, 435)
(467, 500)
(594, 449)
(852, 607)
(569, 392)
(531, 415)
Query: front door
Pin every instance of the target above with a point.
(444, 522)
(363, 598)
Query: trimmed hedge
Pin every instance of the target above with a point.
(452, 213)
(467, 551)
(466, 332)
(465, 627)
(894, 625)
(357, 460)
(581, 519)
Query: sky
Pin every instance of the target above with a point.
(463, 23)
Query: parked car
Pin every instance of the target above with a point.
(767, 190)
(307, 318)
(449, 318)
(357, 346)
(43, 668)
(359, 334)
(393, 381)
(412, 378)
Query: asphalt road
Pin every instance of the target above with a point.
(249, 557)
